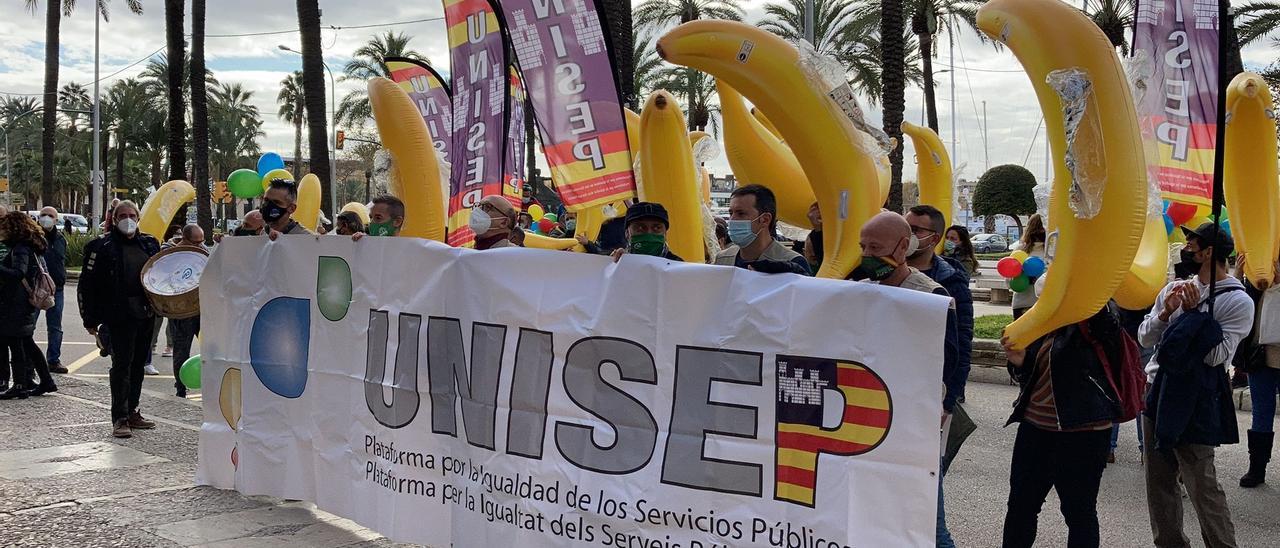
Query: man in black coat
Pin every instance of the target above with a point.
(111, 295)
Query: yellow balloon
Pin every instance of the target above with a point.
(359, 209)
(275, 174)
(414, 156)
(1019, 255)
(536, 212)
(229, 397)
(159, 209)
(667, 175)
(308, 212)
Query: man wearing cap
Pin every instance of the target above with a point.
(1183, 421)
(646, 230)
(492, 221)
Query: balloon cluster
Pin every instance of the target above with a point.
(249, 183)
(1021, 270)
(543, 222)
(1178, 214)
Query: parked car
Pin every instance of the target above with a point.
(79, 224)
(990, 243)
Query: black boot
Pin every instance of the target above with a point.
(16, 392)
(1259, 455)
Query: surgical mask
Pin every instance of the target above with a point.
(272, 212)
(382, 229)
(647, 244)
(571, 225)
(127, 226)
(480, 221)
(47, 222)
(949, 246)
(740, 232)
(874, 268)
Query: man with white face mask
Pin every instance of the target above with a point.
(111, 295)
(55, 258)
(492, 221)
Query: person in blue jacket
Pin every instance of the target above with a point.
(928, 225)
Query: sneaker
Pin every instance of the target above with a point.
(136, 420)
(1111, 457)
(150, 370)
(58, 368)
(121, 429)
(168, 352)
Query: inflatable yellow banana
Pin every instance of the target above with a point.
(633, 131)
(541, 241)
(359, 209)
(1099, 155)
(933, 170)
(764, 121)
(1249, 175)
(884, 175)
(1149, 271)
(308, 212)
(667, 175)
(767, 70)
(416, 168)
(159, 209)
(757, 156)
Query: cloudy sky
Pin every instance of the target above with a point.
(983, 74)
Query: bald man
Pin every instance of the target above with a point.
(252, 225)
(887, 241)
(492, 221)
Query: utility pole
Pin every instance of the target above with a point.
(95, 188)
(951, 40)
(808, 22)
(986, 150)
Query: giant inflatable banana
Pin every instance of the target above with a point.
(1150, 269)
(757, 156)
(933, 170)
(764, 121)
(1090, 255)
(633, 131)
(359, 209)
(766, 70)
(704, 178)
(416, 167)
(667, 175)
(1249, 175)
(159, 209)
(542, 241)
(308, 212)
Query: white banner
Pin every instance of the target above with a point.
(452, 397)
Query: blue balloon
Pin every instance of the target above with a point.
(1168, 224)
(1033, 267)
(1226, 227)
(279, 343)
(268, 163)
(1166, 207)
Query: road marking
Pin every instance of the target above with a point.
(105, 406)
(64, 343)
(83, 361)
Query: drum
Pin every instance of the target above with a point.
(171, 279)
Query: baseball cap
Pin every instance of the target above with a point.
(1206, 234)
(647, 210)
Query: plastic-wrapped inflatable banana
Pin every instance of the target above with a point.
(757, 156)
(933, 170)
(1249, 175)
(667, 175)
(767, 70)
(308, 211)
(704, 178)
(159, 209)
(1099, 199)
(416, 167)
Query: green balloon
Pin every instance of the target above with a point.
(245, 183)
(189, 373)
(552, 216)
(1020, 283)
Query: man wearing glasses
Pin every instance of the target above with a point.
(928, 224)
(278, 206)
(492, 220)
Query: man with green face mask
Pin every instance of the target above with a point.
(647, 224)
(386, 217)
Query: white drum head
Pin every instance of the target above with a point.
(175, 273)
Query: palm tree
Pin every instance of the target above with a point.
(660, 13)
(54, 10)
(842, 30)
(1257, 20)
(313, 91)
(695, 89)
(200, 121)
(177, 125)
(136, 123)
(622, 37)
(893, 82)
(925, 18)
(365, 63)
(293, 110)
(646, 63)
(1114, 17)
(234, 129)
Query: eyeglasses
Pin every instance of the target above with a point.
(922, 232)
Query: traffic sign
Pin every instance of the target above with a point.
(18, 199)
(4, 184)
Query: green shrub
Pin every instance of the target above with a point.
(75, 249)
(990, 327)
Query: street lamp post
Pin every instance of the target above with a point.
(95, 178)
(333, 137)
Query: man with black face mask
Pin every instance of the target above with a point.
(647, 225)
(886, 242)
(278, 205)
(252, 225)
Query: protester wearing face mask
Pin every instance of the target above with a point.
(492, 221)
(55, 259)
(348, 224)
(570, 222)
(647, 225)
(386, 217)
(19, 269)
(886, 242)
(927, 224)
(110, 293)
(958, 246)
(1189, 408)
(753, 213)
(278, 205)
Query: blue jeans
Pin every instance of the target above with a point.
(53, 321)
(943, 535)
(1264, 383)
(1115, 434)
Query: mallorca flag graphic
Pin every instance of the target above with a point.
(803, 383)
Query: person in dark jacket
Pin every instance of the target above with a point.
(19, 270)
(1064, 415)
(55, 261)
(647, 226)
(612, 235)
(111, 294)
(928, 225)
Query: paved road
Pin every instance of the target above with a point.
(65, 482)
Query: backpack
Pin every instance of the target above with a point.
(40, 294)
(1125, 374)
